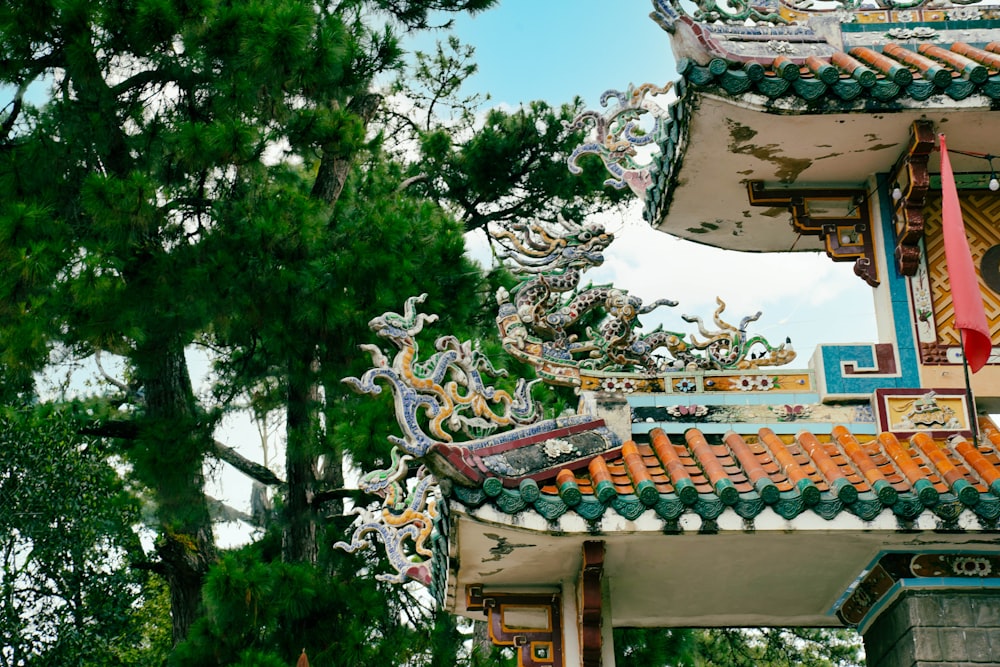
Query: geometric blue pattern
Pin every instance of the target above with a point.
(834, 383)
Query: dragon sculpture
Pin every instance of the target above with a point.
(462, 430)
(729, 346)
(618, 135)
(404, 517)
(540, 320)
(447, 388)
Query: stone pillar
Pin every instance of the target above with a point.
(937, 628)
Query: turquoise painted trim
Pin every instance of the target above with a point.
(836, 384)
(906, 341)
(643, 400)
(781, 428)
(937, 25)
(832, 611)
(776, 397)
(921, 584)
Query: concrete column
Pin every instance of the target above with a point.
(937, 628)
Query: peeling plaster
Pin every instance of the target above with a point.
(789, 168)
(503, 547)
(775, 211)
(707, 227)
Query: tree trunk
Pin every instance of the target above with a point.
(332, 472)
(335, 163)
(299, 539)
(482, 646)
(168, 457)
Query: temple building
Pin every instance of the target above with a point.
(709, 477)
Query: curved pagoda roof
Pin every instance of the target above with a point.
(823, 475)
(793, 519)
(856, 80)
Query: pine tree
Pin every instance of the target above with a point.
(154, 161)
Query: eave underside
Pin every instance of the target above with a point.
(730, 572)
(701, 195)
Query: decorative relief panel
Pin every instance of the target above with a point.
(528, 622)
(841, 217)
(939, 412)
(914, 570)
(934, 313)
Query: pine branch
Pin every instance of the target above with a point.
(334, 494)
(223, 512)
(334, 166)
(253, 470)
(112, 428)
(410, 181)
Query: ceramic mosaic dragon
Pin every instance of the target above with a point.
(456, 423)
(443, 394)
(618, 135)
(462, 429)
(540, 319)
(405, 516)
(729, 346)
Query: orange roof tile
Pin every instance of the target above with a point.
(825, 473)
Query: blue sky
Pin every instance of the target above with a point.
(554, 50)
(557, 49)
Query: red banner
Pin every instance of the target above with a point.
(970, 316)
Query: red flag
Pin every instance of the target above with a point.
(970, 316)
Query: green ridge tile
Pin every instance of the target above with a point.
(949, 508)
(550, 507)
(470, 497)
(773, 87)
(736, 81)
(669, 507)
(810, 89)
(628, 506)
(991, 88)
(828, 507)
(866, 507)
(749, 505)
(908, 506)
(510, 501)
(590, 508)
(967, 494)
(988, 507)
(529, 490)
(708, 506)
(700, 76)
(885, 90)
(847, 89)
(885, 492)
(960, 89)
(717, 66)
(790, 505)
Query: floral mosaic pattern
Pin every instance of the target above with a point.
(752, 414)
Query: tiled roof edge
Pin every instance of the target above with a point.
(709, 506)
(858, 93)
